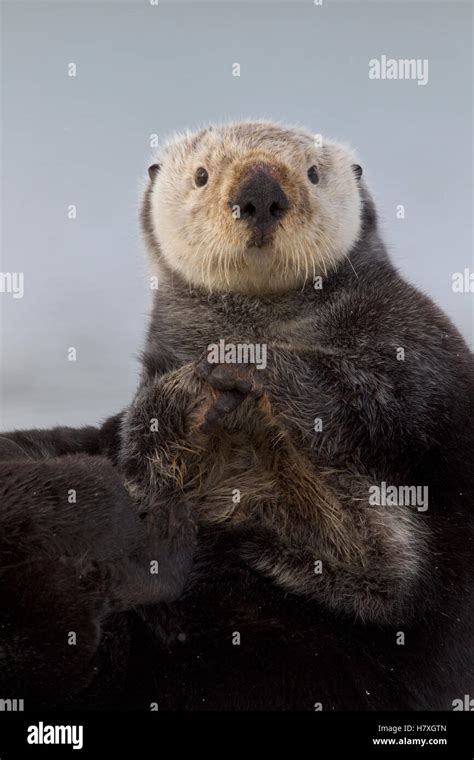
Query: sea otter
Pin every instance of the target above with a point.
(254, 482)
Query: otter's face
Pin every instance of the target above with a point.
(252, 207)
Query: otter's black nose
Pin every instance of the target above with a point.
(262, 203)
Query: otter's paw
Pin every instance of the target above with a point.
(230, 385)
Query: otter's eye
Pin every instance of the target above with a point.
(201, 177)
(313, 175)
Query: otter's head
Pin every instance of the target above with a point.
(252, 207)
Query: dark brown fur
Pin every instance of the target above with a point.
(189, 441)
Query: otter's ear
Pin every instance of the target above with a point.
(357, 170)
(153, 171)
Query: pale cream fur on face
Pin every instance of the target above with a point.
(194, 230)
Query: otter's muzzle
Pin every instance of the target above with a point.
(262, 203)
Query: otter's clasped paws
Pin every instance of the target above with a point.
(231, 384)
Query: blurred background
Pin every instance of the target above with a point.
(145, 68)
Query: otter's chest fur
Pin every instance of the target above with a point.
(238, 462)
